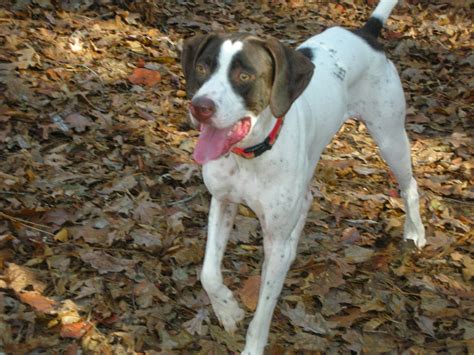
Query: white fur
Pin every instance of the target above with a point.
(383, 9)
(350, 78)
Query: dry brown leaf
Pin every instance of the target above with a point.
(27, 58)
(78, 122)
(146, 210)
(19, 277)
(147, 239)
(75, 330)
(105, 263)
(122, 184)
(314, 323)
(145, 292)
(357, 254)
(195, 325)
(249, 292)
(143, 76)
(325, 278)
(38, 301)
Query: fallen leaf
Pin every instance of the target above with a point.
(174, 342)
(38, 301)
(175, 222)
(306, 343)
(357, 254)
(121, 184)
(426, 325)
(314, 323)
(145, 292)
(245, 228)
(105, 263)
(143, 76)
(194, 325)
(62, 235)
(350, 235)
(151, 240)
(146, 211)
(75, 330)
(234, 342)
(374, 343)
(19, 277)
(27, 58)
(364, 170)
(78, 122)
(90, 234)
(249, 292)
(327, 277)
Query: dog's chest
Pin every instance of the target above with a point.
(225, 179)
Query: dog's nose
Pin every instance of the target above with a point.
(202, 108)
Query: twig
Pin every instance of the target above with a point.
(93, 72)
(26, 223)
(453, 200)
(186, 199)
(13, 193)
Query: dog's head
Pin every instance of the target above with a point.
(231, 79)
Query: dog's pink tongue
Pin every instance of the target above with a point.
(211, 144)
(214, 142)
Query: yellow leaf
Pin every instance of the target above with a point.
(52, 323)
(244, 211)
(248, 247)
(62, 235)
(30, 175)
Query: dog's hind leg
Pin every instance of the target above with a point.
(221, 220)
(395, 150)
(383, 110)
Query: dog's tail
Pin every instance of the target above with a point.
(374, 25)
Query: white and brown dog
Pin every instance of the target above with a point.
(243, 88)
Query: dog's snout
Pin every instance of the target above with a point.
(202, 108)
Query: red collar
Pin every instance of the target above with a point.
(260, 148)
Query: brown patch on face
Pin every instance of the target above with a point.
(275, 75)
(199, 60)
(251, 75)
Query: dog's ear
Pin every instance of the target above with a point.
(292, 73)
(192, 48)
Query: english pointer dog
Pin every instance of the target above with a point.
(243, 89)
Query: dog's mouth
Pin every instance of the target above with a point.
(215, 142)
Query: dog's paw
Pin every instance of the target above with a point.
(225, 307)
(231, 318)
(417, 234)
(230, 315)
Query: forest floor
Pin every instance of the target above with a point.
(103, 211)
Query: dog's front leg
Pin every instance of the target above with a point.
(280, 246)
(221, 220)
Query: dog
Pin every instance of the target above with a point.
(265, 113)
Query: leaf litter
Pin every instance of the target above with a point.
(103, 212)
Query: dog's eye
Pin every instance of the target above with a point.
(244, 77)
(201, 69)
